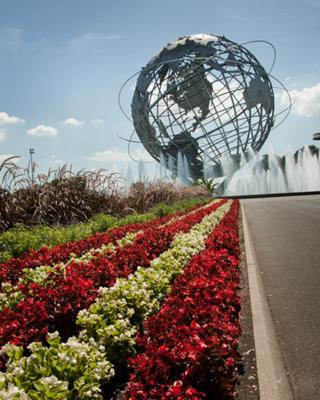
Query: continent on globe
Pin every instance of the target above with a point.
(202, 97)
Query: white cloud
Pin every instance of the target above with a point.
(96, 121)
(117, 155)
(2, 135)
(110, 155)
(306, 101)
(73, 122)
(91, 40)
(42, 130)
(6, 119)
(94, 37)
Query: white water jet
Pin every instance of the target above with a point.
(273, 175)
(183, 170)
(163, 167)
(276, 181)
(128, 176)
(229, 167)
(208, 168)
(171, 166)
(186, 169)
(291, 172)
(141, 172)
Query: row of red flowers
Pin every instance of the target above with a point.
(12, 270)
(54, 306)
(189, 349)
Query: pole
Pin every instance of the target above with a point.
(31, 152)
(316, 136)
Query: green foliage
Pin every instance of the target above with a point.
(20, 239)
(101, 222)
(208, 184)
(71, 370)
(119, 311)
(78, 368)
(65, 197)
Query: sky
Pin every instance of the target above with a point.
(63, 62)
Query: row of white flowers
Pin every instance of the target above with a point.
(10, 295)
(77, 368)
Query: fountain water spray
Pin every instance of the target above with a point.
(298, 172)
(183, 171)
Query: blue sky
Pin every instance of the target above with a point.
(63, 62)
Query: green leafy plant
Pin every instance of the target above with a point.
(77, 368)
(20, 239)
(208, 184)
(59, 371)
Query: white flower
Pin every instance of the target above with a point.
(13, 393)
(108, 320)
(17, 371)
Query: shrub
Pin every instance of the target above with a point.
(20, 239)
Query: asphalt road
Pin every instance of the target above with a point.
(286, 237)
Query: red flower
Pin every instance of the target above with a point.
(189, 350)
(55, 305)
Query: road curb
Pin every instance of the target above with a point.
(272, 377)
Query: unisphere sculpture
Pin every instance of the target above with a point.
(203, 96)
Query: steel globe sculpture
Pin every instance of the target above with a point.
(202, 96)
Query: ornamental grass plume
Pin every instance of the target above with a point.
(65, 197)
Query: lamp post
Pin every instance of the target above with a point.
(316, 136)
(31, 152)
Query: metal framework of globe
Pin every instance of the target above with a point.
(203, 96)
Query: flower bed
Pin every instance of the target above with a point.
(20, 239)
(11, 270)
(14, 289)
(54, 304)
(189, 348)
(77, 368)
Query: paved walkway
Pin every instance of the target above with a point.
(286, 238)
